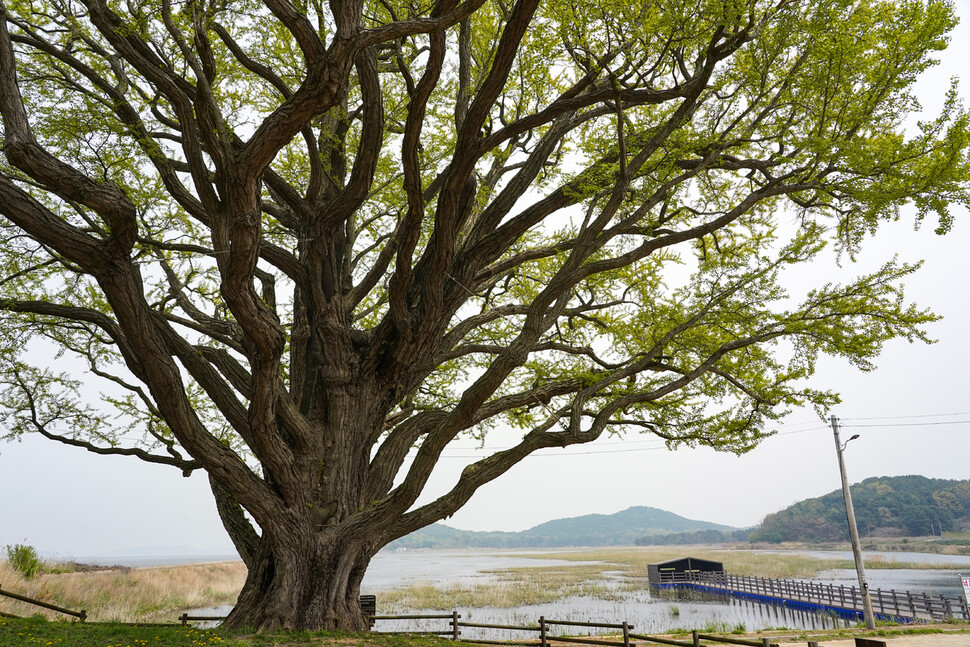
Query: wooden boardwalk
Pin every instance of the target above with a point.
(846, 601)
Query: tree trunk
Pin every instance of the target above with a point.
(244, 537)
(306, 580)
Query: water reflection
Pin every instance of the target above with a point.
(389, 569)
(649, 613)
(931, 582)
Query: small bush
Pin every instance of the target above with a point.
(25, 560)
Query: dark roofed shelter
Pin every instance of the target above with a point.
(674, 570)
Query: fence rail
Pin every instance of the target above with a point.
(544, 639)
(889, 605)
(80, 615)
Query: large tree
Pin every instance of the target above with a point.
(307, 245)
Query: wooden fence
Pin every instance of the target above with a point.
(824, 594)
(889, 605)
(80, 615)
(544, 636)
(542, 628)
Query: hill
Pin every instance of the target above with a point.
(621, 528)
(893, 506)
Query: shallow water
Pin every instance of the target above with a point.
(644, 613)
(932, 582)
(649, 614)
(141, 561)
(881, 555)
(392, 569)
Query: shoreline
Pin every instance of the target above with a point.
(141, 561)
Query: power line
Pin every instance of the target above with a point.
(660, 444)
(913, 424)
(924, 415)
(799, 431)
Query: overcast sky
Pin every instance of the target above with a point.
(912, 413)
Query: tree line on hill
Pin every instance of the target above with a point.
(897, 506)
(697, 537)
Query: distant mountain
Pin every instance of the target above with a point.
(621, 528)
(887, 506)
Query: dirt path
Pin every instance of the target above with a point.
(947, 637)
(925, 640)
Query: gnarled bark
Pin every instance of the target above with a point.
(301, 577)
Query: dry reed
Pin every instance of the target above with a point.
(505, 594)
(633, 561)
(130, 595)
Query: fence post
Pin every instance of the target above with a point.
(454, 625)
(184, 618)
(697, 639)
(83, 616)
(626, 634)
(542, 631)
(765, 642)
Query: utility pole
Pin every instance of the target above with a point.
(853, 531)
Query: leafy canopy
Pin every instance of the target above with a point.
(280, 228)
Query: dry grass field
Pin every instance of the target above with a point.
(126, 595)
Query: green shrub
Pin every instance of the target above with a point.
(25, 560)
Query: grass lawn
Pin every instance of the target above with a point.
(15, 632)
(34, 632)
(39, 632)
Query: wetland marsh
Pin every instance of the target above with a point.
(502, 587)
(610, 585)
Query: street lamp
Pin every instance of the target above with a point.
(853, 531)
(848, 441)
